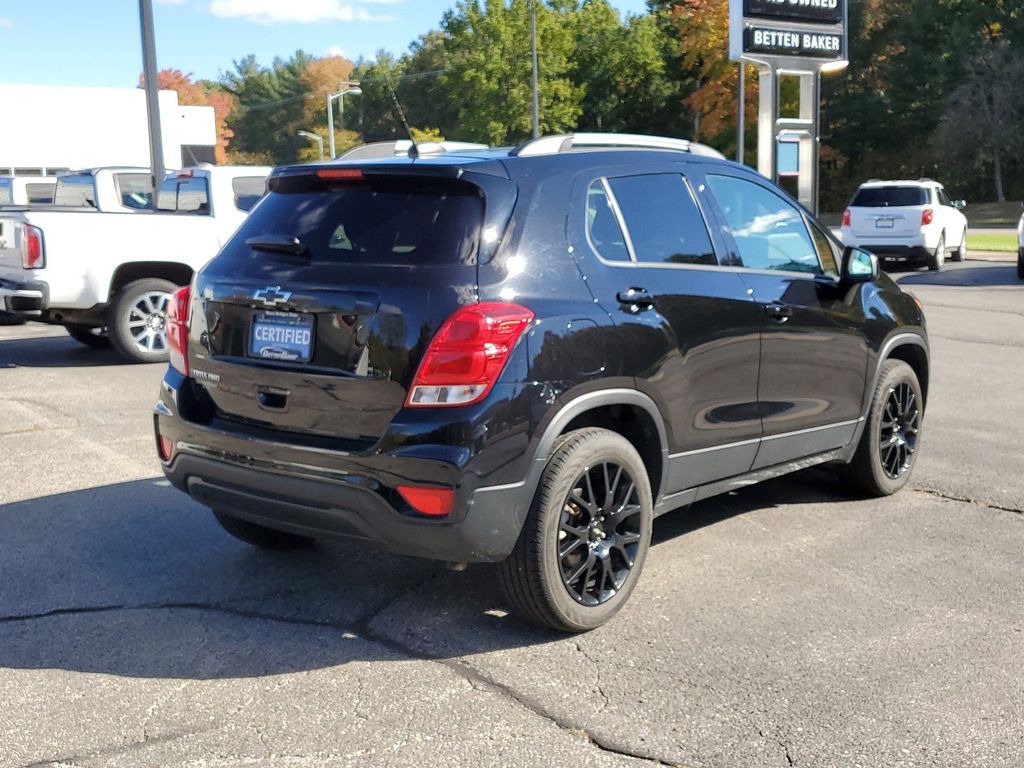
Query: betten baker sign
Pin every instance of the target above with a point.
(787, 42)
(817, 11)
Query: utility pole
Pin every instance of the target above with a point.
(533, 46)
(156, 141)
(741, 126)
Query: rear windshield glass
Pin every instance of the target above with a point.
(399, 222)
(76, 190)
(890, 197)
(6, 187)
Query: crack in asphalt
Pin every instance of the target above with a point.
(360, 628)
(969, 500)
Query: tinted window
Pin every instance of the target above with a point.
(248, 191)
(186, 194)
(39, 193)
(827, 250)
(134, 190)
(6, 191)
(662, 219)
(890, 197)
(76, 190)
(381, 222)
(943, 197)
(769, 231)
(603, 228)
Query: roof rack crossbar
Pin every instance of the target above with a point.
(549, 145)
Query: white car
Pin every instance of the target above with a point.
(911, 223)
(106, 275)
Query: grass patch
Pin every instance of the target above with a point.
(993, 214)
(986, 241)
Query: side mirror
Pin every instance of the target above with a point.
(860, 266)
(959, 204)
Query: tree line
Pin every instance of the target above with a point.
(934, 88)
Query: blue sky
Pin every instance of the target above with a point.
(96, 42)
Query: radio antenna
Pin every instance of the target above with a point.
(413, 151)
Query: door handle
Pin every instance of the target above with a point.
(780, 313)
(635, 299)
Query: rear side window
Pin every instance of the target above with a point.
(769, 231)
(184, 194)
(38, 193)
(76, 190)
(663, 222)
(375, 222)
(248, 190)
(603, 228)
(134, 190)
(889, 197)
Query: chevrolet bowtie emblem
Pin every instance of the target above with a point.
(272, 295)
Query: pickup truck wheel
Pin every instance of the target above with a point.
(586, 537)
(136, 320)
(939, 257)
(960, 254)
(96, 338)
(260, 535)
(891, 440)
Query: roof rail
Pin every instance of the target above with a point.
(925, 178)
(550, 145)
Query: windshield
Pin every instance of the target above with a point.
(890, 197)
(402, 222)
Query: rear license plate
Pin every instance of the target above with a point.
(885, 223)
(282, 336)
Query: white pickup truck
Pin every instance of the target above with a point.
(26, 190)
(106, 274)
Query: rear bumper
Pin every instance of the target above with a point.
(26, 299)
(899, 254)
(335, 494)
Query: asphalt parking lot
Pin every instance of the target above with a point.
(785, 625)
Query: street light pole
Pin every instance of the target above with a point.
(351, 89)
(330, 122)
(314, 137)
(156, 141)
(535, 86)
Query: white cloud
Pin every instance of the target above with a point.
(5, 22)
(335, 50)
(296, 11)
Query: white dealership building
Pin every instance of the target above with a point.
(49, 128)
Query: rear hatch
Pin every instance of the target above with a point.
(314, 316)
(887, 212)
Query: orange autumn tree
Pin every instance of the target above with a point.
(321, 77)
(197, 94)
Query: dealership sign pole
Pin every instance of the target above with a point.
(789, 38)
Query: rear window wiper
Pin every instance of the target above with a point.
(280, 243)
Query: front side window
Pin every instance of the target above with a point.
(769, 231)
(943, 197)
(827, 250)
(664, 223)
(134, 190)
(186, 194)
(603, 228)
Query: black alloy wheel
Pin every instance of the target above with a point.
(600, 533)
(901, 421)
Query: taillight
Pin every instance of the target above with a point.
(32, 247)
(177, 328)
(467, 354)
(846, 217)
(434, 502)
(927, 216)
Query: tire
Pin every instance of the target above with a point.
(261, 536)
(96, 338)
(534, 577)
(960, 254)
(1020, 264)
(869, 472)
(939, 257)
(138, 311)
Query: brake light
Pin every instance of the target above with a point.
(32, 247)
(340, 174)
(846, 217)
(927, 217)
(467, 354)
(164, 447)
(177, 328)
(435, 502)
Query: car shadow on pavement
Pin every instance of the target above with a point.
(135, 580)
(54, 352)
(977, 277)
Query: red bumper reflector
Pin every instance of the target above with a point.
(435, 502)
(164, 447)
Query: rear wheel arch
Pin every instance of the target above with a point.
(175, 272)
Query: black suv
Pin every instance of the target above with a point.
(524, 356)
